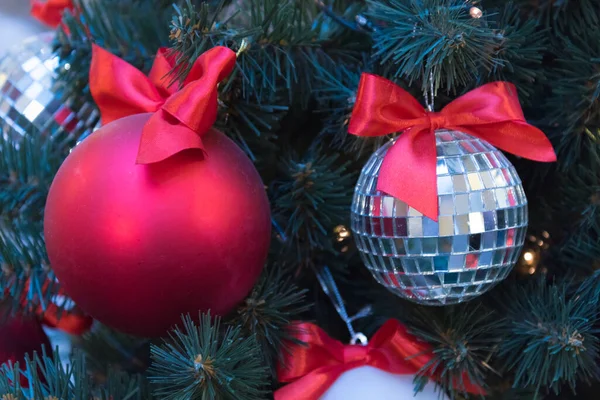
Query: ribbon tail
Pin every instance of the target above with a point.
(408, 171)
(516, 137)
(118, 88)
(189, 113)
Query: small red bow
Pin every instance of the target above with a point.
(491, 112)
(73, 322)
(314, 367)
(50, 11)
(180, 117)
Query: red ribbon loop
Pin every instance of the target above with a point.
(491, 112)
(73, 322)
(50, 11)
(180, 117)
(313, 368)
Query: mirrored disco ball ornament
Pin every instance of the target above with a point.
(30, 101)
(478, 236)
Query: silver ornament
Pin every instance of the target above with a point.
(474, 244)
(30, 101)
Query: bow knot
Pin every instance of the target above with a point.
(436, 120)
(180, 117)
(491, 112)
(355, 353)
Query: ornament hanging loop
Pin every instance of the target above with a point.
(330, 288)
(359, 337)
(429, 93)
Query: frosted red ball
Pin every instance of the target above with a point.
(137, 246)
(20, 335)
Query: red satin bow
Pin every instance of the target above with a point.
(312, 369)
(50, 11)
(73, 322)
(408, 172)
(180, 117)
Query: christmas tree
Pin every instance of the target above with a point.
(320, 98)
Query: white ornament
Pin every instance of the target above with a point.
(372, 383)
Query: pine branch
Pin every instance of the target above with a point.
(520, 49)
(574, 206)
(463, 343)
(551, 339)
(107, 349)
(27, 168)
(267, 313)
(311, 199)
(130, 29)
(201, 362)
(573, 109)
(336, 95)
(250, 124)
(277, 44)
(577, 16)
(47, 378)
(194, 30)
(419, 38)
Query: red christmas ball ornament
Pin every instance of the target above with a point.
(21, 335)
(148, 219)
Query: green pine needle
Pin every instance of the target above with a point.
(463, 343)
(551, 339)
(27, 167)
(130, 29)
(277, 44)
(419, 38)
(311, 199)
(573, 109)
(202, 362)
(267, 313)
(106, 349)
(47, 378)
(519, 50)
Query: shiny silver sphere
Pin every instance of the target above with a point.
(30, 101)
(478, 236)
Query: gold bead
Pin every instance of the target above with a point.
(475, 12)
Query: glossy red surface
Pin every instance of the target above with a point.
(136, 246)
(19, 336)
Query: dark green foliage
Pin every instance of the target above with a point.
(279, 45)
(519, 50)
(27, 168)
(196, 29)
(287, 104)
(310, 200)
(107, 349)
(551, 338)
(130, 29)
(575, 208)
(336, 96)
(273, 304)
(574, 108)
(462, 340)
(201, 362)
(47, 378)
(419, 38)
